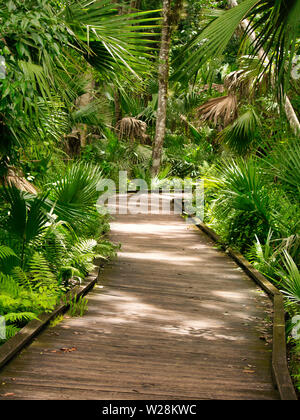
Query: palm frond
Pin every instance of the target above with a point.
(73, 197)
(78, 186)
(212, 41)
(8, 259)
(27, 218)
(249, 79)
(131, 128)
(240, 134)
(112, 40)
(241, 187)
(277, 25)
(222, 109)
(290, 278)
(95, 113)
(285, 162)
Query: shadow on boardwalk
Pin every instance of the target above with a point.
(172, 318)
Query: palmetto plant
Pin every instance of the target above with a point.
(241, 133)
(239, 122)
(264, 256)
(26, 219)
(284, 162)
(38, 223)
(241, 194)
(290, 278)
(74, 195)
(241, 187)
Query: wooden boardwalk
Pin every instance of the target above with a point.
(172, 318)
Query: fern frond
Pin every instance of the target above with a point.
(20, 317)
(8, 286)
(6, 252)
(21, 278)
(10, 331)
(40, 271)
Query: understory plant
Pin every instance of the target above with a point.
(48, 243)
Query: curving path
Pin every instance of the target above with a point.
(171, 318)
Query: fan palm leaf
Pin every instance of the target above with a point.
(240, 134)
(27, 219)
(241, 187)
(285, 162)
(73, 197)
(222, 109)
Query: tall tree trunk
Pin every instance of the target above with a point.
(163, 81)
(289, 110)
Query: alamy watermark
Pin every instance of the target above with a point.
(296, 328)
(156, 198)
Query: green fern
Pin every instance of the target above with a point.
(10, 331)
(8, 286)
(21, 278)
(6, 252)
(20, 317)
(40, 272)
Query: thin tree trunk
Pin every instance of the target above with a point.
(163, 81)
(289, 110)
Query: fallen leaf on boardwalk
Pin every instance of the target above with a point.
(8, 394)
(248, 371)
(68, 350)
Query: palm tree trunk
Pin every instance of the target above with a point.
(289, 110)
(163, 81)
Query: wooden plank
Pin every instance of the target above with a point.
(174, 318)
(279, 356)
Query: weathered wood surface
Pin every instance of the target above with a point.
(173, 318)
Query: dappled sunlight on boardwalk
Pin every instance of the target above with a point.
(171, 318)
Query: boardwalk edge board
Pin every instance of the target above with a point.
(16, 343)
(280, 369)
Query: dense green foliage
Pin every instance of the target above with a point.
(79, 95)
